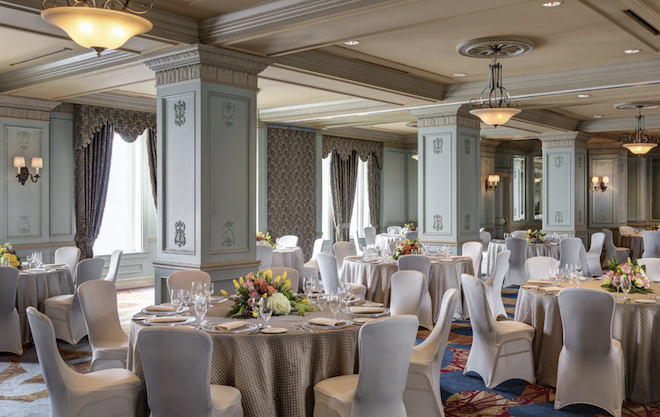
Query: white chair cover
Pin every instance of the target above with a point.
(113, 269)
(377, 391)
(651, 240)
(422, 395)
(291, 274)
(342, 250)
(177, 371)
(311, 268)
(265, 255)
(406, 293)
(591, 369)
(64, 310)
(412, 235)
(107, 393)
(183, 280)
(516, 274)
(10, 324)
(652, 268)
(359, 249)
(612, 251)
(538, 267)
(69, 255)
(501, 350)
(394, 230)
(485, 239)
(422, 264)
(569, 251)
(474, 250)
(98, 300)
(393, 244)
(595, 251)
(330, 276)
(288, 241)
(625, 230)
(494, 284)
(519, 233)
(370, 235)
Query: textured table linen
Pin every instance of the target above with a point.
(34, 288)
(636, 326)
(275, 373)
(383, 241)
(533, 249)
(377, 277)
(635, 243)
(290, 258)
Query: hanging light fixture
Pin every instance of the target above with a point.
(495, 106)
(639, 142)
(107, 24)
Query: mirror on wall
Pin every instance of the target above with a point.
(519, 173)
(538, 188)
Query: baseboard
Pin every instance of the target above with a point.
(127, 283)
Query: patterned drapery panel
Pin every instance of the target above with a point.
(373, 187)
(343, 180)
(127, 123)
(291, 171)
(346, 146)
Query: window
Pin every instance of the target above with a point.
(519, 194)
(538, 188)
(122, 226)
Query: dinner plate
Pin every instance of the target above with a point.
(362, 320)
(245, 329)
(645, 301)
(322, 327)
(163, 313)
(274, 330)
(178, 323)
(384, 313)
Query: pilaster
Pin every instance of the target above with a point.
(609, 208)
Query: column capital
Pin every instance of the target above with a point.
(16, 107)
(564, 140)
(458, 115)
(205, 63)
(606, 148)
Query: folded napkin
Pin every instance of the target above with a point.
(539, 282)
(327, 322)
(371, 304)
(38, 270)
(367, 310)
(230, 325)
(161, 308)
(371, 260)
(550, 289)
(168, 319)
(55, 265)
(214, 299)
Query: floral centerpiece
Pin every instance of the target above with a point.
(263, 285)
(266, 239)
(535, 236)
(654, 227)
(7, 251)
(406, 248)
(632, 270)
(407, 227)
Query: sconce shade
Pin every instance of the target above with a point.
(19, 161)
(606, 179)
(37, 163)
(594, 180)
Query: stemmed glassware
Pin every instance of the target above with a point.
(266, 309)
(626, 285)
(322, 302)
(254, 303)
(201, 307)
(617, 282)
(308, 287)
(175, 299)
(334, 301)
(209, 289)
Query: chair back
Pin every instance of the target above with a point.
(359, 249)
(384, 363)
(265, 255)
(98, 300)
(597, 241)
(69, 255)
(609, 243)
(342, 250)
(113, 269)
(369, 235)
(329, 272)
(519, 233)
(652, 268)
(473, 250)
(291, 274)
(393, 244)
(288, 241)
(485, 239)
(501, 267)
(394, 230)
(183, 280)
(569, 249)
(586, 316)
(495, 283)
(8, 285)
(420, 263)
(87, 270)
(177, 371)
(518, 247)
(650, 238)
(433, 348)
(481, 319)
(406, 293)
(412, 235)
(318, 247)
(538, 267)
(626, 230)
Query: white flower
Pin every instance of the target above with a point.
(280, 304)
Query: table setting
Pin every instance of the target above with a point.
(537, 245)
(383, 241)
(634, 242)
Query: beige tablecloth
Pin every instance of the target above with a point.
(34, 288)
(383, 241)
(635, 243)
(533, 249)
(377, 278)
(275, 373)
(636, 326)
(290, 258)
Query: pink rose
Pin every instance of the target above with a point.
(271, 290)
(253, 294)
(647, 283)
(264, 286)
(609, 273)
(250, 286)
(626, 268)
(533, 240)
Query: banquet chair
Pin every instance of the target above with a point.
(106, 393)
(394, 230)
(612, 251)
(64, 310)
(359, 249)
(288, 241)
(651, 240)
(652, 268)
(485, 241)
(406, 293)
(10, 324)
(501, 350)
(595, 251)
(519, 233)
(393, 244)
(422, 264)
(591, 365)
(69, 255)
(265, 255)
(311, 268)
(482, 229)
(494, 284)
(625, 230)
(291, 274)
(473, 250)
(569, 251)
(342, 250)
(412, 235)
(516, 275)
(330, 276)
(538, 267)
(422, 396)
(113, 269)
(377, 390)
(369, 235)
(177, 371)
(183, 280)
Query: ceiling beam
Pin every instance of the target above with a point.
(619, 124)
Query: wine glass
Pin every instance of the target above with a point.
(322, 302)
(308, 286)
(254, 303)
(201, 307)
(626, 286)
(175, 299)
(334, 301)
(266, 309)
(210, 289)
(617, 284)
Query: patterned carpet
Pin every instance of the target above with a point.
(23, 391)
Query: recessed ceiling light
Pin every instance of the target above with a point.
(597, 116)
(552, 4)
(632, 51)
(460, 74)
(584, 95)
(352, 43)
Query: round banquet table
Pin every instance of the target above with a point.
(635, 243)
(376, 275)
(290, 258)
(383, 241)
(275, 373)
(533, 249)
(636, 326)
(34, 288)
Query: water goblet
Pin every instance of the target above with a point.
(210, 289)
(626, 286)
(266, 309)
(175, 299)
(617, 284)
(254, 304)
(334, 301)
(308, 286)
(322, 302)
(201, 307)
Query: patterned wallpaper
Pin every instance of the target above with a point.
(291, 182)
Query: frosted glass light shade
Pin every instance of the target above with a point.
(495, 116)
(96, 28)
(639, 148)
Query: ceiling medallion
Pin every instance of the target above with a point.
(98, 24)
(639, 141)
(494, 106)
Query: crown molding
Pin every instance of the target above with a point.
(458, 115)
(64, 108)
(16, 107)
(564, 140)
(366, 134)
(326, 107)
(118, 101)
(606, 148)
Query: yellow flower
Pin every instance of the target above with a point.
(268, 274)
(529, 230)
(241, 281)
(305, 301)
(254, 314)
(236, 284)
(265, 295)
(277, 279)
(225, 293)
(288, 284)
(284, 275)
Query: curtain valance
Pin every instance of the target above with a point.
(129, 124)
(346, 146)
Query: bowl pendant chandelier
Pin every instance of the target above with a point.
(99, 26)
(640, 141)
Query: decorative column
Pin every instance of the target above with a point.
(565, 183)
(487, 148)
(608, 208)
(206, 170)
(449, 179)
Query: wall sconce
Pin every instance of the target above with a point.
(491, 182)
(415, 156)
(599, 183)
(23, 172)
